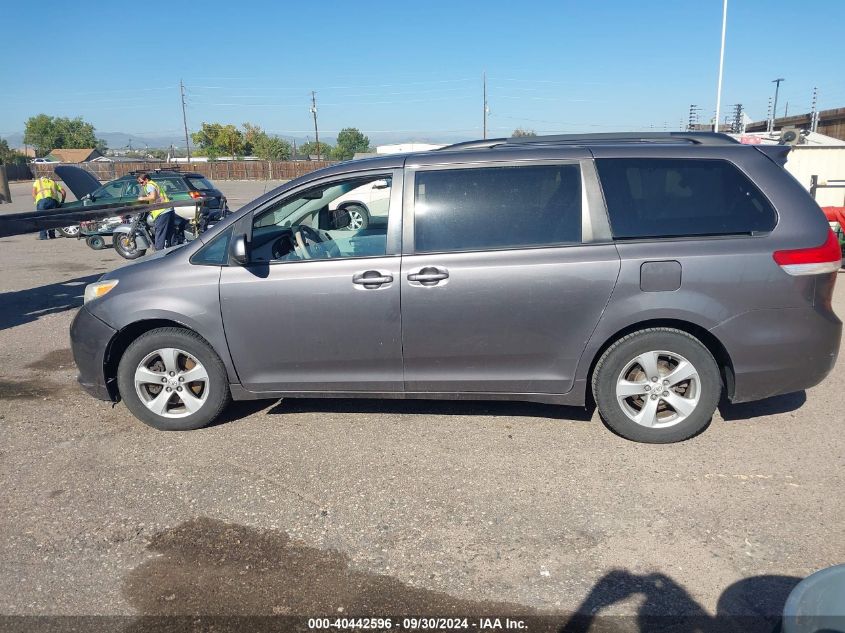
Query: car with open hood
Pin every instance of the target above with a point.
(124, 191)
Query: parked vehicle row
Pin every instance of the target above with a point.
(124, 191)
(652, 274)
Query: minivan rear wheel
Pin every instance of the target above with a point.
(172, 380)
(658, 385)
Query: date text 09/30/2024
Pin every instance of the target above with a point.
(417, 624)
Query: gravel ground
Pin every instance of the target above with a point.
(371, 507)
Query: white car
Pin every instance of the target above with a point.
(43, 160)
(365, 203)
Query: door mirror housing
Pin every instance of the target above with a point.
(239, 249)
(381, 184)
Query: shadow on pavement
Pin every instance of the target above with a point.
(770, 406)
(24, 306)
(508, 409)
(751, 605)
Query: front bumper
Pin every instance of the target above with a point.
(89, 340)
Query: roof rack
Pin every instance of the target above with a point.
(135, 172)
(695, 138)
(484, 144)
(692, 138)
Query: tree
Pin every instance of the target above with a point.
(268, 147)
(8, 156)
(215, 139)
(310, 149)
(44, 133)
(350, 140)
(521, 132)
(263, 145)
(206, 137)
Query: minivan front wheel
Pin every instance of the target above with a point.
(172, 380)
(658, 385)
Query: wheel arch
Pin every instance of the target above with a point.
(121, 341)
(711, 342)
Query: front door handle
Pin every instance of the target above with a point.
(371, 279)
(429, 276)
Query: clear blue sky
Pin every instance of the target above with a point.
(412, 70)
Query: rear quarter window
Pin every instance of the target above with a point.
(200, 184)
(172, 185)
(653, 198)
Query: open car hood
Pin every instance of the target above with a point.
(79, 181)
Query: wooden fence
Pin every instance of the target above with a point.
(214, 170)
(18, 172)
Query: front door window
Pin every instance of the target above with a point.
(324, 223)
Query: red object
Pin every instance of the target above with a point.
(835, 214)
(195, 194)
(827, 252)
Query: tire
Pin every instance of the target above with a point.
(151, 355)
(96, 242)
(69, 231)
(625, 392)
(359, 217)
(125, 248)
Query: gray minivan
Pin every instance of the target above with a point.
(652, 273)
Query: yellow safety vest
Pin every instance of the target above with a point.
(47, 188)
(160, 197)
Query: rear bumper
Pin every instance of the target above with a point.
(89, 339)
(777, 351)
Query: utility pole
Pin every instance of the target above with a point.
(737, 127)
(814, 117)
(314, 112)
(185, 120)
(775, 106)
(721, 66)
(786, 110)
(484, 102)
(770, 123)
(693, 117)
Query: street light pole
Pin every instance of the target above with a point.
(775, 107)
(721, 66)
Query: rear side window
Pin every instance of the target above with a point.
(200, 184)
(172, 185)
(497, 208)
(681, 197)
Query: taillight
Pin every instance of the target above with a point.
(195, 195)
(826, 258)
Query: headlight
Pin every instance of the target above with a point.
(98, 289)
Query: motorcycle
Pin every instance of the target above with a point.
(132, 239)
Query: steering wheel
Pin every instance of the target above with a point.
(302, 234)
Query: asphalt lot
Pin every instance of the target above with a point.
(371, 507)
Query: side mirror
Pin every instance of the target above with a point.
(381, 184)
(239, 249)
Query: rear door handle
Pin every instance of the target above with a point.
(371, 279)
(429, 276)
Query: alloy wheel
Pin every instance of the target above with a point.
(171, 383)
(658, 389)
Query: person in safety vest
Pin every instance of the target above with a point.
(48, 194)
(163, 227)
